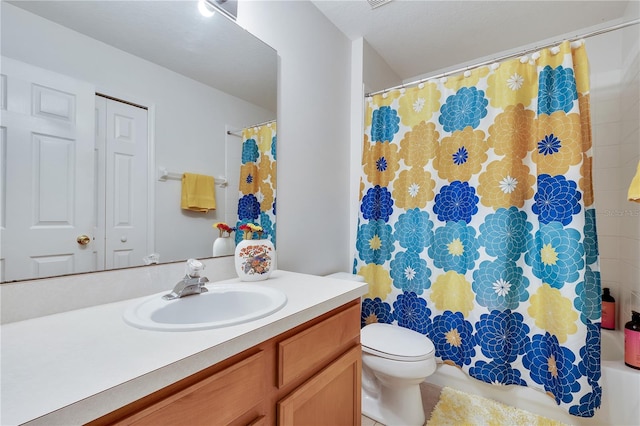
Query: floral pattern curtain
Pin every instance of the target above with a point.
(257, 203)
(477, 224)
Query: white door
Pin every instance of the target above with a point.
(121, 135)
(48, 177)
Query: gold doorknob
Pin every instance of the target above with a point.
(83, 240)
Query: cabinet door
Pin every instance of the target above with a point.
(331, 397)
(218, 400)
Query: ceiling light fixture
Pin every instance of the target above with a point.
(206, 9)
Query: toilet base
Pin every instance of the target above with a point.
(395, 407)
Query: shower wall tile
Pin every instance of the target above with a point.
(606, 156)
(610, 269)
(606, 134)
(606, 110)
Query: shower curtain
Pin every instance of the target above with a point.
(477, 225)
(257, 201)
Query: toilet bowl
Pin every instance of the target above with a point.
(395, 360)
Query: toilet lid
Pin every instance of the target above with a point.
(395, 342)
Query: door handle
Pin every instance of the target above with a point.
(83, 240)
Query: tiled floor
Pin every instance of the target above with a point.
(430, 396)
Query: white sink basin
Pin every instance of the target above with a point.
(223, 305)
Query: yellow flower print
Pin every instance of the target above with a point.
(512, 83)
(452, 292)
(512, 132)
(264, 138)
(419, 145)
(585, 121)
(505, 183)
(418, 104)
(361, 189)
(379, 280)
(267, 168)
(461, 155)
(413, 188)
(249, 183)
(559, 143)
(266, 200)
(380, 162)
(553, 312)
(586, 181)
(581, 68)
(455, 82)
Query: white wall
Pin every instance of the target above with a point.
(190, 117)
(313, 133)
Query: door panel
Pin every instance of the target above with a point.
(49, 167)
(126, 148)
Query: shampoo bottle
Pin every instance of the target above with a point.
(632, 341)
(608, 310)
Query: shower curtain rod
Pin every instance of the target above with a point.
(509, 56)
(234, 132)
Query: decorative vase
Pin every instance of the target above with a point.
(224, 245)
(255, 259)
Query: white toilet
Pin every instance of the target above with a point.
(395, 360)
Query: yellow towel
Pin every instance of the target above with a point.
(198, 193)
(634, 188)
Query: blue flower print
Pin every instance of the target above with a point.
(589, 403)
(589, 364)
(250, 152)
(412, 312)
(556, 200)
(504, 233)
(460, 156)
(588, 300)
(375, 310)
(590, 237)
(455, 202)
(555, 255)
(248, 207)
(381, 164)
(274, 141)
(502, 336)
(384, 124)
(453, 338)
(268, 227)
(466, 108)
(551, 365)
(491, 372)
(500, 285)
(556, 90)
(414, 230)
(455, 247)
(375, 242)
(409, 272)
(377, 204)
(549, 145)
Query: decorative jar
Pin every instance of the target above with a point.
(254, 259)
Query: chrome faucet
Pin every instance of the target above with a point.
(192, 283)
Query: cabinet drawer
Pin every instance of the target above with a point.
(218, 399)
(308, 351)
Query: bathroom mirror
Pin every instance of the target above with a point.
(197, 78)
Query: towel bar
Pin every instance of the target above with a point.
(164, 175)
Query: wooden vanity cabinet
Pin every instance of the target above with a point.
(310, 375)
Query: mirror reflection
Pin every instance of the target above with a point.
(99, 99)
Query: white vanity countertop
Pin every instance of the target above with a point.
(73, 367)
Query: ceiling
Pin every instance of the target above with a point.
(417, 38)
(214, 51)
